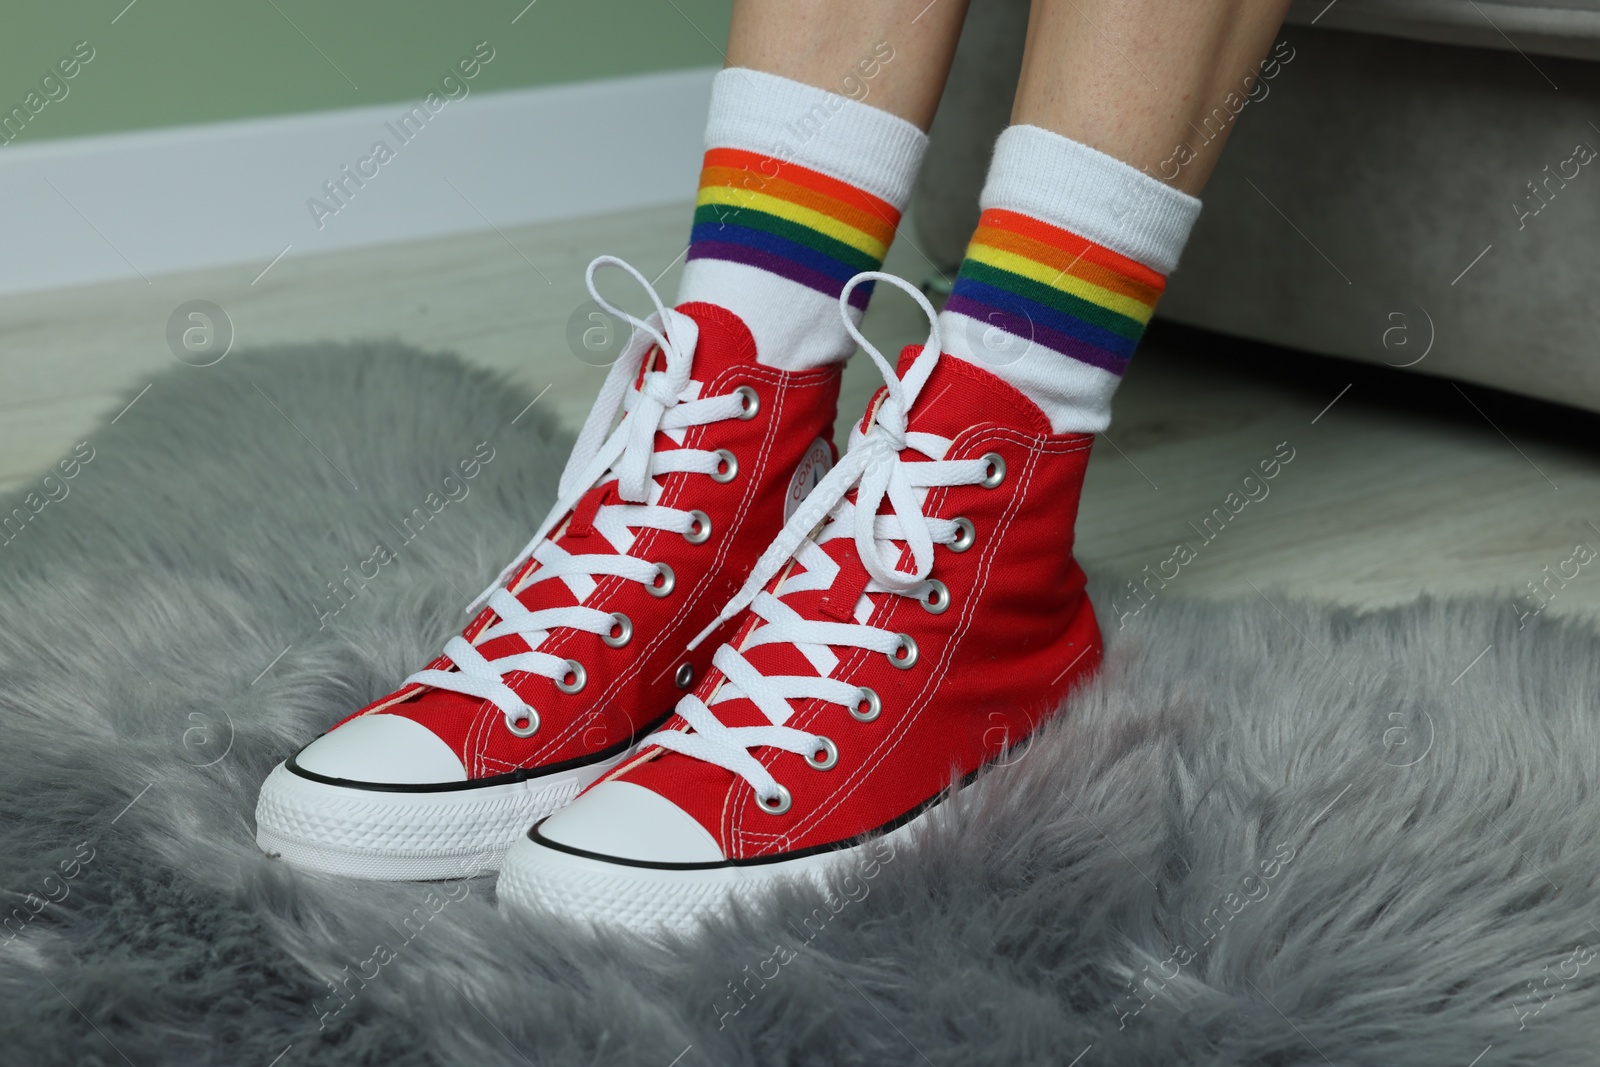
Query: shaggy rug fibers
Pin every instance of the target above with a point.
(1258, 838)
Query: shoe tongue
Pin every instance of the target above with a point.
(960, 394)
(725, 340)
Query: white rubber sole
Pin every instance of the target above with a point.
(651, 900)
(392, 835)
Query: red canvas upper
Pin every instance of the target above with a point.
(1018, 634)
(632, 687)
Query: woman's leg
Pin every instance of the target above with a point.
(821, 44)
(1121, 111)
(814, 140)
(1141, 79)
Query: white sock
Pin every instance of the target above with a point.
(802, 189)
(1063, 272)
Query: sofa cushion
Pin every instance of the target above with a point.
(1548, 27)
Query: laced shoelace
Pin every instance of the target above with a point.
(876, 468)
(664, 400)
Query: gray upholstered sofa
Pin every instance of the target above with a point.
(1411, 191)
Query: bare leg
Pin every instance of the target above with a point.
(893, 54)
(1154, 83)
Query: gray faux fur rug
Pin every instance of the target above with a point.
(1258, 839)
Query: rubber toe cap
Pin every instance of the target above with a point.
(382, 750)
(620, 820)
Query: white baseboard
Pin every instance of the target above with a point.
(92, 209)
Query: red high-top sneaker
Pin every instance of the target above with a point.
(580, 649)
(936, 618)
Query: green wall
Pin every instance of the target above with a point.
(172, 62)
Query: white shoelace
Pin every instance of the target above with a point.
(874, 466)
(666, 400)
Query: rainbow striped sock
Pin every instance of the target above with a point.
(790, 221)
(1063, 273)
(1040, 283)
(801, 190)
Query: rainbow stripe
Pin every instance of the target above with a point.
(1064, 292)
(790, 221)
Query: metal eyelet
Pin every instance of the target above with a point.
(728, 460)
(751, 402)
(579, 676)
(966, 535)
(699, 531)
(666, 577)
(829, 752)
(777, 805)
(904, 655)
(684, 677)
(530, 723)
(937, 602)
(997, 470)
(624, 627)
(869, 698)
